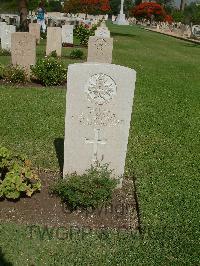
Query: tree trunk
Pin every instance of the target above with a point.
(23, 10)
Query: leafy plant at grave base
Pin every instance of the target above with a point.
(14, 74)
(43, 35)
(1, 71)
(89, 190)
(82, 32)
(49, 71)
(76, 54)
(53, 54)
(4, 52)
(16, 177)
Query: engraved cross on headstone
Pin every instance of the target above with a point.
(95, 143)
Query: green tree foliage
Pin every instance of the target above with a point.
(116, 5)
(54, 6)
(178, 15)
(191, 14)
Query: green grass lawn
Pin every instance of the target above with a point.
(163, 156)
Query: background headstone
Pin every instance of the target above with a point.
(2, 26)
(102, 32)
(98, 114)
(100, 50)
(23, 50)
(67, 34)
(6, 37)
(34, 29)
(54, 40)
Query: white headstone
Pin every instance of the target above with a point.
(2, 26)
(23, 50)
(196, 30)
(6, 37)
(98, 114)
(102, 32)
(100, 50)
(67, 34)
(34, 29)
(54, 40)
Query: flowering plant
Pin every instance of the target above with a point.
(149, 9)
(50, 71)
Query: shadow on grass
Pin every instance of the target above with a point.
(3, 261)
(113, 34)
(196, 45)
(59, 146)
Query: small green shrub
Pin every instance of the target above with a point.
(16, 177)
(4, 52)
(14, 74)
(43, 35)
(53, 54)
(1, 71)
(82, 32)
(49, 71)
(76, 54)
(92, 189)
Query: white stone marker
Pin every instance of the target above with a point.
(23, 50)
(67, 34)
(2, 26)
(98, 115)
(100, 50)
(121, 19)
(54, 40)
(6, 37)
(102, 32)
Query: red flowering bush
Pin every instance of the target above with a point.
(149, 9)
(168, 19)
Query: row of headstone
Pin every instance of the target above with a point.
(23, 45)
(99, 102)
(55, 36)
(176, 29)
(10, 19)
(57, 19)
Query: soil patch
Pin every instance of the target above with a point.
(48, 210)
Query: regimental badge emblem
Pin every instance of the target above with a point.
(100, 89)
